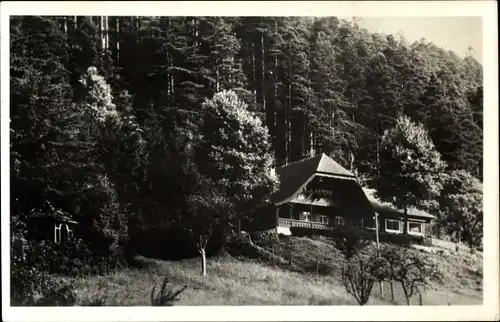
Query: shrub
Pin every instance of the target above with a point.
(302, 232)
(172, 243)
(99, 298)
(426, 241)
(242, 245)
(95, 301)
(265, 238)
(166, 296)
(419, 240)
(74, 259)
(56, 293)
(350, 240)
(32, 262)
(398, 239)
(30, 285)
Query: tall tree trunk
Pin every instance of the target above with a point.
(252, 55)
(262, 69)
(99, 28)
(280, 133)
(65, 26)
(377, 156)
(118, 39)
(351, 162)
(203, 262)
(106, 32)
(289, 110)
(113, 39)
(306, 147)
(405, 292)
(216, 78)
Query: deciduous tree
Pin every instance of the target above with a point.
(230, 172)
(462, 203)
(409, 268)
(411, 169)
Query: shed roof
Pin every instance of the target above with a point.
(55, 215)
(385, 207)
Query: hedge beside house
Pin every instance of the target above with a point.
(398, 239)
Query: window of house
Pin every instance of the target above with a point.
(392, 225)
(305, 216)
(339, 221)
(416, 228)
(323, 219)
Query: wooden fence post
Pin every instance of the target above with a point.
(420, 298)
(272, 255)
(392, 291)
(381, 286)
(290, 258)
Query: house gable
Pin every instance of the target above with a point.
(295, 176)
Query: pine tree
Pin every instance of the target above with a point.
(331, 123)
(40, 94)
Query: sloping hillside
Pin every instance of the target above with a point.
(462, 271)
(230, 281)
(246, 274)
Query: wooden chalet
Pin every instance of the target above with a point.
(348, 203)
(55, 226)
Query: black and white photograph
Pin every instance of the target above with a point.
(313, 159)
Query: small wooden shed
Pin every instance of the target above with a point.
(56, 226)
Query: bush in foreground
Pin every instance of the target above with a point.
(33, 262)
(350, 240)
(166, 296)
(29, 285)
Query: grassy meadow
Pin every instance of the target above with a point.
(240, 280)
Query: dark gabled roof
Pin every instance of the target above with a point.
(387, 208)
(294, 175)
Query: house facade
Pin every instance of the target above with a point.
(300, 202)
(346, 203)
(56, 227)
(392, 221)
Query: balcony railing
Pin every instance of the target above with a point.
(289, 223)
